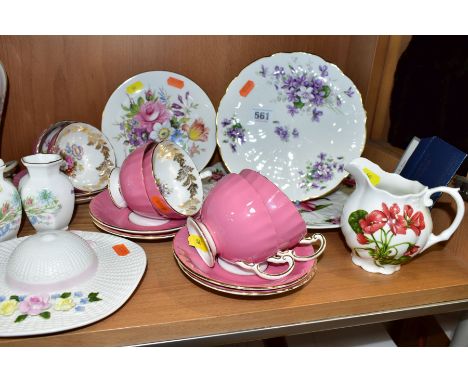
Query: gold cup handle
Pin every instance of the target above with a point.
(279, 258)
(309, 240)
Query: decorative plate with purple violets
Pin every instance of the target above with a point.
(158, 106)
(296, 119)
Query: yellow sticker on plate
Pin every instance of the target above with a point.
(135, 87)
(197, 242)
(373, 177)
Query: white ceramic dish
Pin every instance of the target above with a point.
(121, 264)
(294, 118)
(160, 105)
(88, 156)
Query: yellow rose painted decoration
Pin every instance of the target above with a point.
(8, 307)
(41, 305)
(64, 304)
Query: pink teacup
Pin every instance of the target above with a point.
(236, 225)
(288, 222)
(127, 187)
(172, 181)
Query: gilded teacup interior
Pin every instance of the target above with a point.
(177, 178)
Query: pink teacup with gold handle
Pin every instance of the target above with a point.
(288, 222)
(235, 225)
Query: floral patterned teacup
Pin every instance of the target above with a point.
(386, 220)
(158, 181)
(172, 181)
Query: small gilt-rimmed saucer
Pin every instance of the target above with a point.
(189, 258)
(88, 156)
(245, 292)
(104, 212)
(121, 264)
(134, 236)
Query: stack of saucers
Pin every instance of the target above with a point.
(151, 195)
(88, 157)
(249, 239)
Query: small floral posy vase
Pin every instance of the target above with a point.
(10, 208)
(48, 195)
(386, 220)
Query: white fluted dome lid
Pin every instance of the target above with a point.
(49, 261)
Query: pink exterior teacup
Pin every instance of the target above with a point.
(288, 222)
(236, 225)
(132, 184)
(172, 181)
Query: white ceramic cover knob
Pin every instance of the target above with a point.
(50, 261)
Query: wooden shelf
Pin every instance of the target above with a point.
(167, 306)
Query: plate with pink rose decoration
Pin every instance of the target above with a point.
(156, 106)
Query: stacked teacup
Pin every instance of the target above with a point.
(157, 181)
(247, 222)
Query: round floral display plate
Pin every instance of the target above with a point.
(296, 119)
(157, 106)
(121, 264)
(88, 156)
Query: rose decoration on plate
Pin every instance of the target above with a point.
(388, 235)
(156, 106)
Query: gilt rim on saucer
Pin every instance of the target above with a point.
(127, 235)
(174, 224)
(301, 279)
(191, 260)
(246, 292)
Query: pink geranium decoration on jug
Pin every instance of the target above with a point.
(414, 222)
(373, 222)
(377, 231)
(396, 222)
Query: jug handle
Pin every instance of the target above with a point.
(445, 235)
